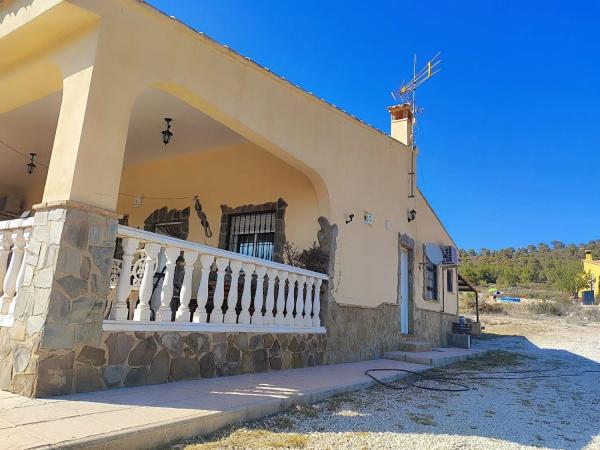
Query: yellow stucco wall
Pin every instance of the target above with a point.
(235, 176)
(593, 268)
(352, 168)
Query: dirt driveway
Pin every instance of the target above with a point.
(529, 410)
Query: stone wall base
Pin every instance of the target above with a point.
(355, 333)
(125, 359)
(433, 326)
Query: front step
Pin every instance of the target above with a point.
(414, 346)
(436, 357)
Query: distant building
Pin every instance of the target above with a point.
(592, 266)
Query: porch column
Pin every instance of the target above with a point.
(89, 144)
(66, 270)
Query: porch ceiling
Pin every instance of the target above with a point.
(31, 128)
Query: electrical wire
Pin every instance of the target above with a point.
(157, 198)
(10, 147)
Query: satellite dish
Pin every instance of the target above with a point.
(434, 253)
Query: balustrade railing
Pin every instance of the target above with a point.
(154, 281)
(14, 239)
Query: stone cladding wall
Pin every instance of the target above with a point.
(62, 301)
(125, 359)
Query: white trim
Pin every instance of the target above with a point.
(16, 223)
(6, 320)
(189, 327)
(148, 236)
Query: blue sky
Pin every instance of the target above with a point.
(510, 138)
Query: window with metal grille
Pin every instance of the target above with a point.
(450, 280)
(431, 280)
(252, 234)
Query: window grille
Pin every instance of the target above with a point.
(430, 280)
(252, 234)
(450, 280)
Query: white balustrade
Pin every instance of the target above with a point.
(185, 294)
(232, 297)
(316, 320)
(280, 317)
(270, 299)
(5, 245)
(201, 315)
(164, 312)
(219, 297)
(14, 241)
(308, 304)
(142, 311)
(248, 269)
(290, 300)
(119, 309)
(257, 316)
(288, 288)
(299, 317)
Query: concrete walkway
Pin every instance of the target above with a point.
(152, 416)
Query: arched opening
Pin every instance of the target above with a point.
(210, 185)
(230, 174)
(29, 128)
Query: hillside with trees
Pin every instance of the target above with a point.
(556, 266)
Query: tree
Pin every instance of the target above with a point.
(570, 278)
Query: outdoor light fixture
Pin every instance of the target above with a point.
(412, 215)
(166, 133)
(31, 164)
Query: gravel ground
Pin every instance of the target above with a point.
(495, 414)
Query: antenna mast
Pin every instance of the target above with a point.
(407, 94)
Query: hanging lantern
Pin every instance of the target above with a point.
(412, 215)
(31, 165)
(166, 133)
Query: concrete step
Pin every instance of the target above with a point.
(436, 357)
(414, 346)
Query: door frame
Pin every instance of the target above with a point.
(406, 244)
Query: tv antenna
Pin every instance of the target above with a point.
(407, 95)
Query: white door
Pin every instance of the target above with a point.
(403, 291)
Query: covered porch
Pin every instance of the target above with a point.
(198, 214)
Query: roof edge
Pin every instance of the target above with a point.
(274, 76)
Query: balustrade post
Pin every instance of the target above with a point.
(21, 274)
(123, 290)
(270, 300)
(218, 315)
(201, 316)
(259, 298)
(10, 280)
(142, 311)
(232, 297)
(308, 308)
(165, 312)
(248, 269)
(5, 243)
(279, 317)
(290, 300)
(299, 318)
(316, 320)
(185, 294)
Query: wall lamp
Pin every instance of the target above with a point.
(167, 134)
(31, 165)
(412, 215)
(350, 218)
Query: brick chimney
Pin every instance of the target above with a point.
(402, 123)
